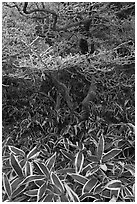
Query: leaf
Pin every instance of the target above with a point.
(128, 191)
(100, 148)
(113, 199)
(48, 198)
(51, 161)
(79, 160)
(7, 185)
(63, 198)
(73, 196)
(41, 191)
(89, 185)
(98, 188)
(16, 151)
(78, 178)
(28, 168)
(18, 190)
(88, 195)
(67, 155)
(38, 169)
(93, 158)
(33, 153)
(16, 166)
(53, 188)
(20, 199)
(31, 193)
(113, 185)
(130, 168)
(66, 171)
(32, 178)
(56, 181)
(111, 154)
(103, 166)
(44, 169)
(16, 183)
(92, 170)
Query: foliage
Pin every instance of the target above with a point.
(68, 119)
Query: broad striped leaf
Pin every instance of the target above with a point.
(53, 188)
(31, 193)
(66, 171)
(89, 185)
(130, 168)
(44, 169)
(28, 169)
(48, 198)
(18, 190)
(88, 195)
(78, 178)
(16, 151)
(68, 155)
(93, 158)
(113, 185)
(73, 196)
(110, 155)
(56, 181)
(7, 185)
(41, 191)
(63, 198)
(16, 183)
(32, 178)
(51, 161)
(98, 188)
(16, 166)
(38, 169)
(33, 153)
(79, 160)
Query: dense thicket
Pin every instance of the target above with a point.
(68, 101)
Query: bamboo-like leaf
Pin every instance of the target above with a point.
(93, 158)
(7, 185)
(87, 195)
(38, 169)
(98, 188)
(113, 185)
(28, 168)
(79, 160)
(16, 166)
(18, 190)
(51, 161)
(103, 166)
(89, 185)
(53, 188)
(16, 151)
(41, 191)
(73, 196)
(68, 155)
(66, 171)
(31, 193)
(56, 181)
(16, 183)
(33, 153)
(100, 148)
(113, 199)
(78, 178)
(32, 178)
(110, 155)
(63, 198)
(48, 198)
(44, 169)
(130, 168)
